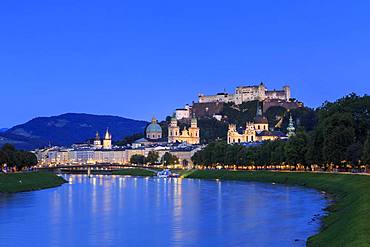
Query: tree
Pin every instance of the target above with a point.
(152, 157)
(26, 159)
(169, 159)
(137, 159)
(3, 158)
(296, 148)
(366, 152)
(339, 134)
(354, 153)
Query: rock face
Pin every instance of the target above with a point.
(67, 129)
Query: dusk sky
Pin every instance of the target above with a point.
(137, 59)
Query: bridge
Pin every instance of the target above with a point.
(93, 169)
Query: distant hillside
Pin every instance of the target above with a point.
(68, 129)
(3, 130)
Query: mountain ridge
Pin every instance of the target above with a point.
(67, 129)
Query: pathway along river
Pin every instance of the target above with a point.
(130, 211)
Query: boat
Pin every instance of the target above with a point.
(164, 174)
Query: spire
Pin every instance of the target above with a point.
(97, 137)
(108, 136)
(291, 128)
(259, 110)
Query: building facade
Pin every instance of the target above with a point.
(257, 131)
(187, 135)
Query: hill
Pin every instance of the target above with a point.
(67, 129)
(3, 130)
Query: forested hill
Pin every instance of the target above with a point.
(68, 129)
(304, 118)
(340, 136)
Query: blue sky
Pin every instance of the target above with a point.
(142, 58)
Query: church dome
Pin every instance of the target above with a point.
(154, 127)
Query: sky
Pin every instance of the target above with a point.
(141, 58)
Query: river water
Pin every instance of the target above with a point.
(130, 211)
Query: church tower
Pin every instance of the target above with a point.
(107, 141)
(97, 141)
(291, 128)
(194, 132)
(173, 130)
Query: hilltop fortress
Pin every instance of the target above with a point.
(213, 105)
(248, 93)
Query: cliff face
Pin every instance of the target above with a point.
(67, 129)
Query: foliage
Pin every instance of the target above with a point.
(366, 151)
(169, 159)
(152, 157)
(137, 159)
(129, 139)
(16, 158)
(334, 134)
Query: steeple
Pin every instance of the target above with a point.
(291, 128)
(107, 141)
(259, 110)
(194, 121)
(154, 120)
(107, 136)
(97, 137)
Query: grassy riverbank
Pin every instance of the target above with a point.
(348, 222)
(19, 182)
(134, 172)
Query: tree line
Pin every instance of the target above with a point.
(153, 158)
(340, 137)
(11, 158)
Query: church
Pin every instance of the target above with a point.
(257, 131)
(187, 135)
(106, 143)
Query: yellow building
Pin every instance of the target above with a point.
(257, 131)
(190, 135)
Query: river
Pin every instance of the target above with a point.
(131, 211)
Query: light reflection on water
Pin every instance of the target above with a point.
(129, 211)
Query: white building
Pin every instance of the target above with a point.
(248, 93)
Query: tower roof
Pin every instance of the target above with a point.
(107, 136)
(154, 127)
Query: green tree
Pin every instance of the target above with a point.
(3, 158)
(339, 134)
(296, 148)
(169, 159)
(137, 159)
(152, 157)
(366, 152)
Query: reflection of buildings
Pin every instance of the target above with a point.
(257, 131)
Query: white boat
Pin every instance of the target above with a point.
(164, 174)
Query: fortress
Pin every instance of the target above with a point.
(248, 93)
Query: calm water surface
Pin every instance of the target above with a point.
(128, 211)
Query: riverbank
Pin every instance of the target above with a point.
(20, 182)
(348, 221)
(135, 172)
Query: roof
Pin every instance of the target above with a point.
(153, 128)
(260, 120)
(271, 133)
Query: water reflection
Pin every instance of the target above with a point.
(116, 210)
